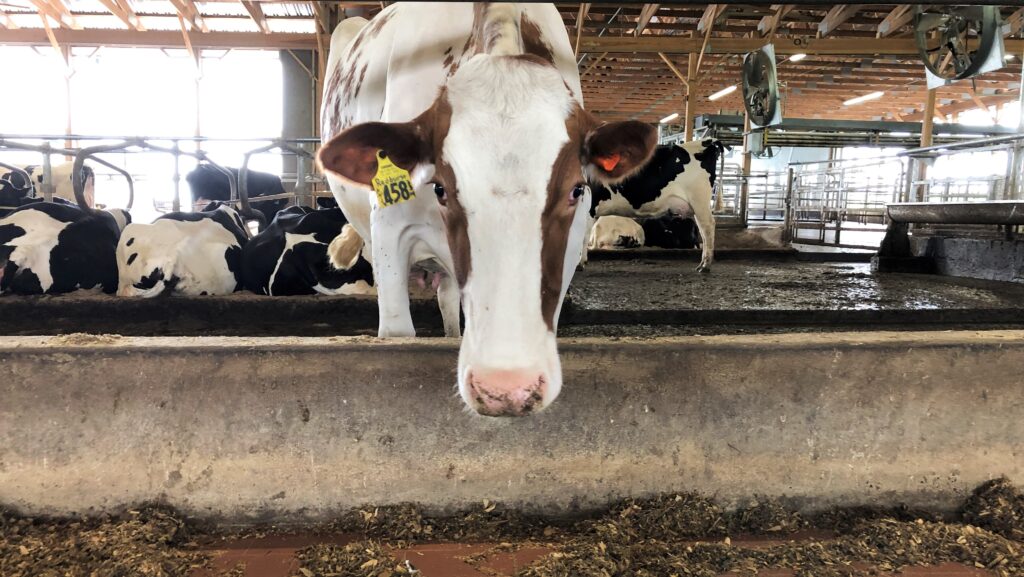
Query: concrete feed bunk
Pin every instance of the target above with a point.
(241, 429)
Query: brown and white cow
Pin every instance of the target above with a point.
(481, 104)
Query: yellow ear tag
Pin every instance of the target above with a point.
(391, 183)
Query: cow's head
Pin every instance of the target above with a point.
(508, 152)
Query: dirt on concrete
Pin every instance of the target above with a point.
(675, 534)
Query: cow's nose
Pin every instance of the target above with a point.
(506, 393)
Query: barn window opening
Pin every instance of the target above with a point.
(152, 92)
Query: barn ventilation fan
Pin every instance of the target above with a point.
(761, 87)
(959, 43)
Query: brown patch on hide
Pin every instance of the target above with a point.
(566, 173)
(533, 40)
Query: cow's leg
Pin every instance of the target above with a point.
(391, 273)
(586, 241)
(448, 301)
(705, 220)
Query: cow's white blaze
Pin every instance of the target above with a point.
(516, 111)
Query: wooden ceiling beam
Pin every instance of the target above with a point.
(1014, 23)
(839, 14)
(783, 45)
(770, 23)
(898, 18)
(58, 12)
(712, 14)
(646, 13)
(161, 39)
(257, 15)
(124, 13)
(7, 22)
(188, 11)
(963, 106)
(581, 20)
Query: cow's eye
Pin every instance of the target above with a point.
(577, 193)
(441, 194)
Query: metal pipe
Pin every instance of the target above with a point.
(77, 182)
(995, 212)
(979, 143)
(24, 174)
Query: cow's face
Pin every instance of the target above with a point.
(507, 151)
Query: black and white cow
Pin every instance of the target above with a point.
(615, 232)
(301, 253)
(15, 191)
(189, 253)
(678, 181)
(56, 247)
(671, 232)
(209, 184)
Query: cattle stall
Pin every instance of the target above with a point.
(284, 308)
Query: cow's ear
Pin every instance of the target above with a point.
(353, 153)
(617, 150)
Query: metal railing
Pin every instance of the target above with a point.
(307, 184)
(843, 202)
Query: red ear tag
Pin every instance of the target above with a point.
(608, 163)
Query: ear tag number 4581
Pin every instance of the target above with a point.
(391, 183)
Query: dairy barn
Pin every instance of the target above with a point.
(280, 284)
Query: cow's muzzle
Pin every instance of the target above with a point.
(506, 393)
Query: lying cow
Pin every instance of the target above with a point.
(615, 232)
(483, 111)
(209, 184)
(15, 191)
(56, 247)
(678, 181)
(300, 253)
(671, 232)
(188, 253)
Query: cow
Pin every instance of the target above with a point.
(187, 253)
(614, 232)
(678, 181)
(15, 191)
(57, 248)
(299, 253)
(476, 110)
(209, 184)
(671, 232)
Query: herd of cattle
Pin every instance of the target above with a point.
(57, 247)
(479, 104)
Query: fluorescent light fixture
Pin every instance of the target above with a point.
(797, 57)
(669, 118)
(723, 92)
(864, 98)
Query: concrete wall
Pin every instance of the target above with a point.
(243, 429)
(992, 259)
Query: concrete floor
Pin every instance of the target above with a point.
(648, 284)
(647, 293)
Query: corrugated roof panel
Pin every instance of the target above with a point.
(100, 22)
(153, 7)
(287, 9)
(293, 26)
(216, 24)
(210, 9)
